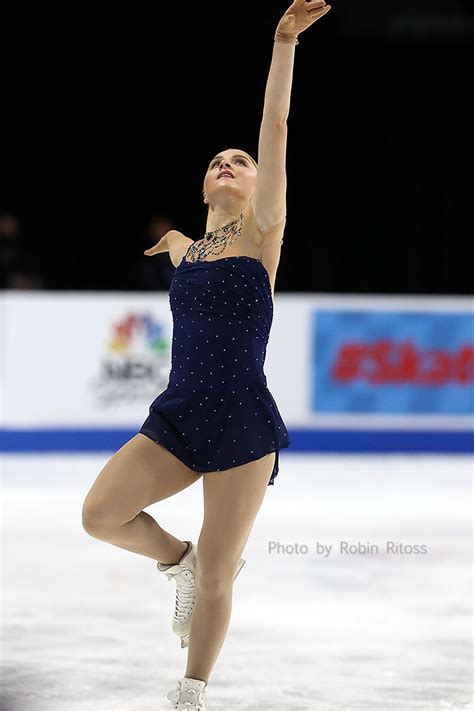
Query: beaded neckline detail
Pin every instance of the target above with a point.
(212, 241)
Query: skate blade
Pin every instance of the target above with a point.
(239, 567)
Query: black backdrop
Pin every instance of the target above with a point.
(112, 113)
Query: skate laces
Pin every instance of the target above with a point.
(184, 579)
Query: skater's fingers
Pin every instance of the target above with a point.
(151, 251)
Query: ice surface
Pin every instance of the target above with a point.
(87, 626)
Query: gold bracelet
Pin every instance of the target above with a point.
(286, 38)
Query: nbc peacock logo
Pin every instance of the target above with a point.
(136, 361)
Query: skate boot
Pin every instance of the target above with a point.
(184, 573)
(190, 695)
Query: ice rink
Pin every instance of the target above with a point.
(87, 625)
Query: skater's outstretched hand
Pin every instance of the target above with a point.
(173, 242)
(162, 245)
(301, 15)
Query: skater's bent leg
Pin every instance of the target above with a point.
(232, 499)
(139, 474)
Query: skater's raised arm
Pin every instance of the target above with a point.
(269, 200)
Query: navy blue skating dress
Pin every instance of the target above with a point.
(217, 411)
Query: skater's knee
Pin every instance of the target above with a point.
(214, 583)
(97, 519)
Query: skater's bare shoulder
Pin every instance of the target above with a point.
(178, 246)
(174, 242)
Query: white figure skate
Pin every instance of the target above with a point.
(184, 574)
(190, 695)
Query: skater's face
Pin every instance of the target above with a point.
(242, 181)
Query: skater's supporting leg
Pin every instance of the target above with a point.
(232, 499)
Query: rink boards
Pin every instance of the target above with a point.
(349, 373)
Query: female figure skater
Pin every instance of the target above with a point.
(216, 419)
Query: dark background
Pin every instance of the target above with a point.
(112, 113)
